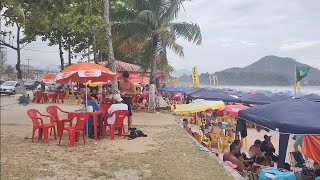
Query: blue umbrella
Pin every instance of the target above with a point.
(293, 116)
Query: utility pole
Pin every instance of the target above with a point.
(28, 67)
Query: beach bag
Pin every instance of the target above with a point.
(274, 173)
(134, 133)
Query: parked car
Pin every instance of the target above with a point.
(10, 87)
(31, 84)
(2, 81)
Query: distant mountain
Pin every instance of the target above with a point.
(269, 70)
(181, 72)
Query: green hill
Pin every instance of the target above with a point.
(269, 70)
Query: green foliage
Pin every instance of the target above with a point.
(9, 69)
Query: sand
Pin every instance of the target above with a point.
(167, 153)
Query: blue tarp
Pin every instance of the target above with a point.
(193, 90)
(293, 116)
(311, 97)
(214, 95)
(258, 98)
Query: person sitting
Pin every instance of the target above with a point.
(254, 150)
(205, 130)
(216, 129)
(231, 156)
(94, 94)
(186, 125)
(89, 123)
(143, 103)
(268, 149)
(241, 155)
(118, 105)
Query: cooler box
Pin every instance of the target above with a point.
(273, 173)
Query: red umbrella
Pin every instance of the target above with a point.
(231, 110)
(48, 77)
(83, 72)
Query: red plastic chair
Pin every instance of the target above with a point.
(40, 96)
(53, 111)
(61, 96)
(74, 131)
(104, 108)
(40, 126)
(120, 115)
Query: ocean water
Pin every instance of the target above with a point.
(304, 89)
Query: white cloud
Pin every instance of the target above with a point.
(289, 46)
(247, 44)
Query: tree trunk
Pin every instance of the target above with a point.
(95, 49)
(69, 53)
(19, 72)
(153, 64)
(61, 53)
(107, 27)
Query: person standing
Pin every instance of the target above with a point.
(127, 90)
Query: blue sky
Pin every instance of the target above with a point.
(235, 33)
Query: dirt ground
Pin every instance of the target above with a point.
(167, 153)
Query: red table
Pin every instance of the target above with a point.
(52, 95)
(95, 120)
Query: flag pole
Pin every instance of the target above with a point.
(295, 81)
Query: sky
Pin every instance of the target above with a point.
(235, 33)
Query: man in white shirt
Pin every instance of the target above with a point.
(117, 105)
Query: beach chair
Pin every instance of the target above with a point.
(224, 143)
(120, 115)
(203, 140)
(215, 139)
(38, 124)
(74, 131)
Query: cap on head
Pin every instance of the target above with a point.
(117, 97)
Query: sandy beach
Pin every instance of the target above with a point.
(167, 153)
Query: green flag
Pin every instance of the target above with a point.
(301, 72)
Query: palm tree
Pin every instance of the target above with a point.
(107, 26)
(149, 26)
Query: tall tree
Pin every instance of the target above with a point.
(107, 26)
(150, 27)
(15, 16)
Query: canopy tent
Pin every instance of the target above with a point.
(214, 95)
(293, 116)
(198, 106)
(258, 98)
(311, 97)
(173, 89)
(193, 91)
(280, 96)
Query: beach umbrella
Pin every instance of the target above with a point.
(311, 97)
(84, 72)
(198, 106)
(48, 77)
(293, 116)
(231, 110)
